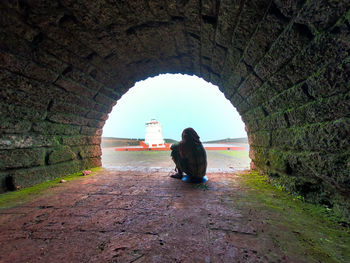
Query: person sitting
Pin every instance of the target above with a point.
(189, 156)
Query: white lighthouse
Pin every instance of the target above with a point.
(154, 134)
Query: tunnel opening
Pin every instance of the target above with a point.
(175, 101)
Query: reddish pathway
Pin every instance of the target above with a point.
(127, 217)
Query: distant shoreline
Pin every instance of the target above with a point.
(115, 142)
(237, 140)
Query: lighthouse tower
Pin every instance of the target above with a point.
(154, 134)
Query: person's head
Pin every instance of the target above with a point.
(190, 135)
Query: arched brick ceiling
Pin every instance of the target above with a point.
(283, 64)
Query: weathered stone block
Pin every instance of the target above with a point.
(207, 33)
(316, 166)
(274, 121)
(281, 161)
(11, 126)
(80, 140)
(22, 158)
(103, 108)
(59, 106)
(8, 142)
(330, 48)
(251, 15)
(205, 73)
(37, 72)
(236, 99)
(96, 123)
(21, 112)
(243, 107)
(251, 125)
(67, 118)
(249, 86)
(20, 178)
(260, 156)
(90, 131)
(321, 14)
(75, 88)
(286, 46)
(279, 81)
(10, 95)
(100, 98)
(232, 58)
(61, 154)
(229, 11)
(255, 114)
(111, 93)
(331, 80)
(215, 79)
(321, 110)
(25, 91)
(262, 139)
(73, 99)
(83, 79)
(97, 115)
(92, 140)
(329, 137)
(68, 57)
(243, 71)
(88, 151)
(293, 97)
(91, 162)
(74, 140)
(262, 94)
(55, 128)
(289, 8)
(14, 24)
(11, 62)
(269, 29)
(19, 46)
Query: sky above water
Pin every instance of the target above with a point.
(177, 102)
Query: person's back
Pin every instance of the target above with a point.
(197, 161)
(189, 156)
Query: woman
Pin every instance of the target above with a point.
(189, 156)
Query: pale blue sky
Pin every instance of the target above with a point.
(177, 102)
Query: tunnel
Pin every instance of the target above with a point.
(283, 64)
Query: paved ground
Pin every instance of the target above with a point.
(116, 216)
(128, 217)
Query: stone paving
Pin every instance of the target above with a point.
(114, 216)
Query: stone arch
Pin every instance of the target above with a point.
(283, 64)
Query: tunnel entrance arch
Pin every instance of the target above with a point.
(176, 102)
(284, 65)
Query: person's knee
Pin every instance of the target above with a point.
(175, 151)
(174, 147)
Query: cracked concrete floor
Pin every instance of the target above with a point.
(114, 216)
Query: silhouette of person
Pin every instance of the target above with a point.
(189, 157)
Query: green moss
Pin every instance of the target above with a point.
(11, 199)
(237, 154)
(318, 230)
